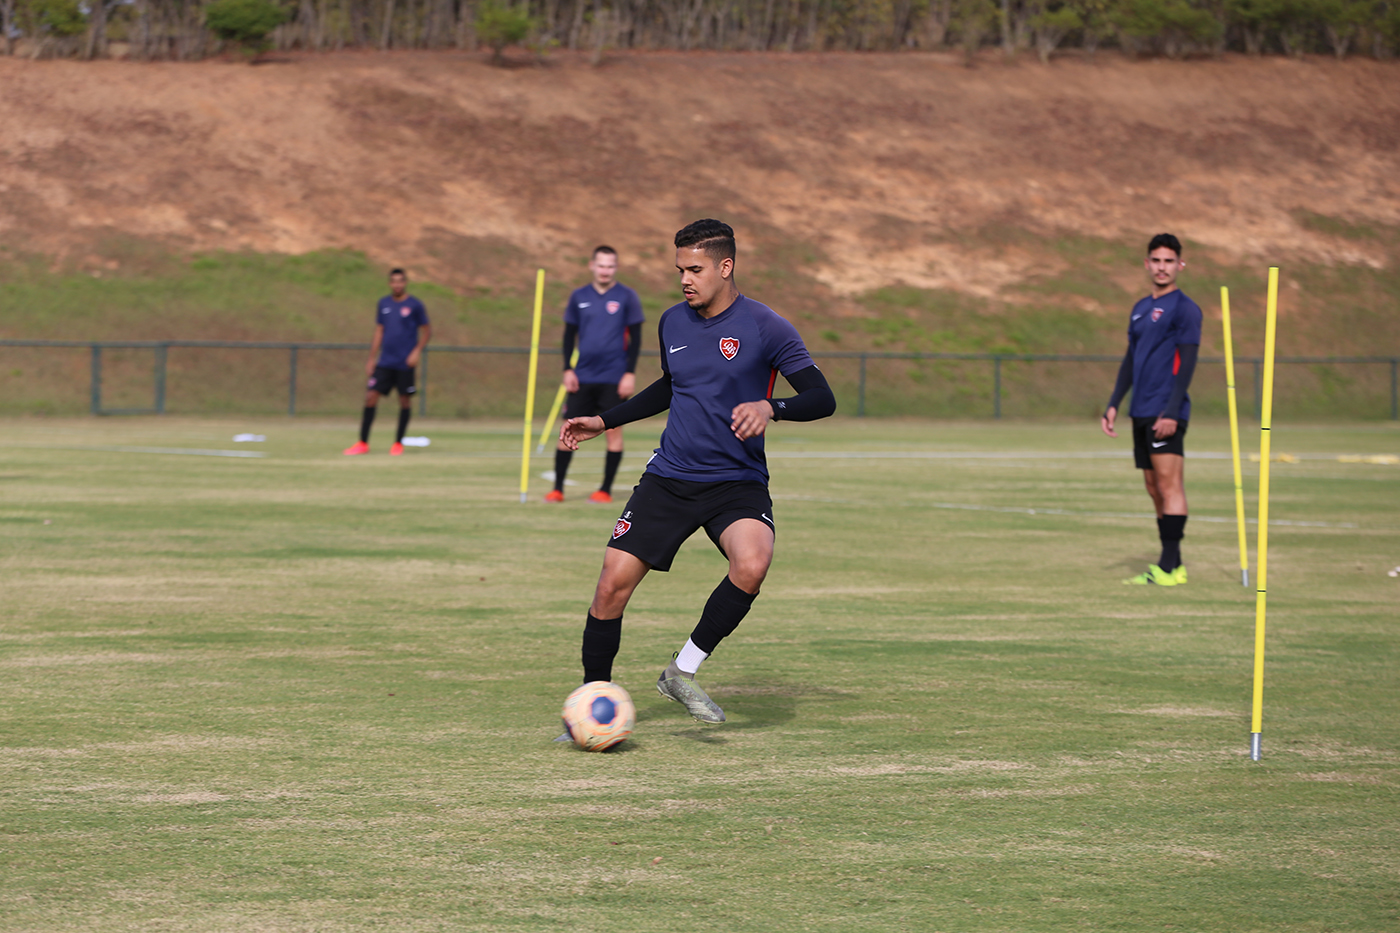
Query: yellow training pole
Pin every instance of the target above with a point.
(530, 386)
(554, 409)
(1234, 433)
(1266, 416)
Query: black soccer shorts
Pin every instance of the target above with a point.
(662, 513)
(1145, 443)
(592, 398)
(386, 380)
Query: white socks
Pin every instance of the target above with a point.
(690, 658)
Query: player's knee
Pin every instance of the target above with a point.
(749, 571)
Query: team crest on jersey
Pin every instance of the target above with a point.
(729, 346)
(614, 307)
(621, 527)
(405, 311)
(1156, 314)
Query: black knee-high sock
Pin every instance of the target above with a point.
(610, 466)
(1173, 530)
(561, 467)
(724, 610)
(404, 415)
(601, 639)
(366, 420)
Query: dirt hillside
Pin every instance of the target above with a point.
(861, 169)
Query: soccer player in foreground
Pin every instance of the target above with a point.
(720, 355)
(401, 331)
(605, 317)
(1164, 337)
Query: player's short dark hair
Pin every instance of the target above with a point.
(715, 237)
(604, 249)
(394, 272)
(1167, 240)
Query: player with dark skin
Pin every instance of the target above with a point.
(1166, 480)
(709, 289)
(398, 287)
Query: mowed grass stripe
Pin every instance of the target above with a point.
(313, 692)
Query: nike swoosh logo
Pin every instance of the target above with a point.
(676, 349)
(767, 519)
(584, 304)
(1159, 443)
(1136, 316)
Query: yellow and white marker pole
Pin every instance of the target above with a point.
(554, 409)
(1234, 434)
(1266, 416)
(530, 386)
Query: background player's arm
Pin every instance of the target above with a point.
(1120, 389)
(374, 345)
(570, 377)
(628, 383)
(425, 333)
(814, 399)
(1166, 423)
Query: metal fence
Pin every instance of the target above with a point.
(974, 396)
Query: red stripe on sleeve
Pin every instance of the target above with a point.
(772, 379)
(1176, 362)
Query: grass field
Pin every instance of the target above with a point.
(303, 692)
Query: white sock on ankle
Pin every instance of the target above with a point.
(690, 658)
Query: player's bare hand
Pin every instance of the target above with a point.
(750, 419)
(1163, 428)
(575, 431)
(1106, 422)
(570, 381)
(369, 367)
(414, 356)
(626, 385)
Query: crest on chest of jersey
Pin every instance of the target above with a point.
(614, 307)
(405, 311)
(1156, 314)
(729, 346)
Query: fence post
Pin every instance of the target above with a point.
(423, 386)
(996, 387)
(1394, 398)
(292, 383)
(160, 378)
(96, 384)
(860, 398)
(1258, 388)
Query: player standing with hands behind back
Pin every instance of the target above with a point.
(720, 356)
(1164, 338)
(605, 317)
(401, 331)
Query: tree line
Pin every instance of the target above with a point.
(193, 29)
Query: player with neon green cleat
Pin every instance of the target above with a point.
(1155, 575)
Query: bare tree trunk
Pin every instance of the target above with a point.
(7, 23)
(386, 33)
(1008, 44)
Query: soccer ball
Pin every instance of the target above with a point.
(598, 715)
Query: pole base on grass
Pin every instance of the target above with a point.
(522, 498)
(1256, 746)
(1244, 577)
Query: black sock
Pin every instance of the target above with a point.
(561, 467)
(404, 415)
(610, 466)
(366, 420)
(601, 639)
(724, 610)
(1173, 530)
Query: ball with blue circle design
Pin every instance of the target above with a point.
(599, 715)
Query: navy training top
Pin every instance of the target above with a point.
(1157, 328)
(602, 322)
(714, 365)
(401, 320)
